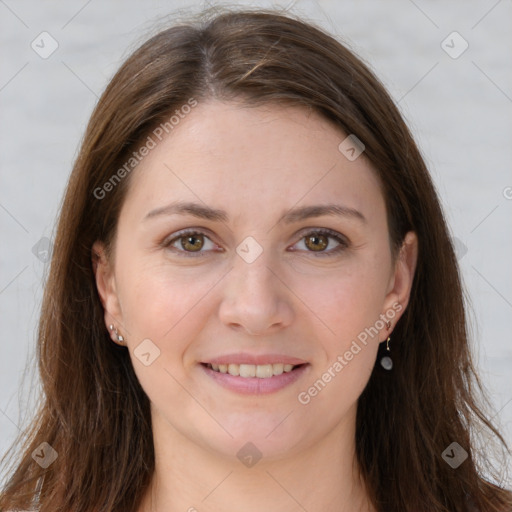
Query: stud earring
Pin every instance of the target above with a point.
(386, 362)
(120, 339)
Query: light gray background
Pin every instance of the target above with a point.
(460, 110)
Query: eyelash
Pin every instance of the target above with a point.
(343, 243)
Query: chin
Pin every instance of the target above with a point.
(259, 436)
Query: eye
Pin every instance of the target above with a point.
(190, 242)
(318, 241)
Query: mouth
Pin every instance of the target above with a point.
(254, 379)
(260, 371)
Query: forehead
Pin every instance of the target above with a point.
(273, 156)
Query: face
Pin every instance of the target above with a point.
(250, 279)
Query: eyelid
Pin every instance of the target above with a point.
(324, 231)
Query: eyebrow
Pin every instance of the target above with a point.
(294, 215)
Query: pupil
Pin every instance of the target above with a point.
(318, 242)
(193, 241)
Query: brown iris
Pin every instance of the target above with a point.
(318, 242)
(192, 243)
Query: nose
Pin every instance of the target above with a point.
(255, 299)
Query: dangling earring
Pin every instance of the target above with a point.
(386, 362)
(120, 339)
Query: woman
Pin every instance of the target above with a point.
(253, 294)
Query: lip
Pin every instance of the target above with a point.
(255, 385)
(245, 358)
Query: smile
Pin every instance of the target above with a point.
(261, 371)
(254, 379)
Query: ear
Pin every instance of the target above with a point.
(401, 281)
(106, 285)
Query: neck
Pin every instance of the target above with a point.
(192, 478)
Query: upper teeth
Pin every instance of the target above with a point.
(262, 371)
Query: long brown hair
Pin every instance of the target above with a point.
(93, 411)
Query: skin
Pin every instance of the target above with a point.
(255, 163)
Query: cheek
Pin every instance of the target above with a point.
(350, 308)
(347, 300)
(349, 304)
(157, 299)
(168, 308)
